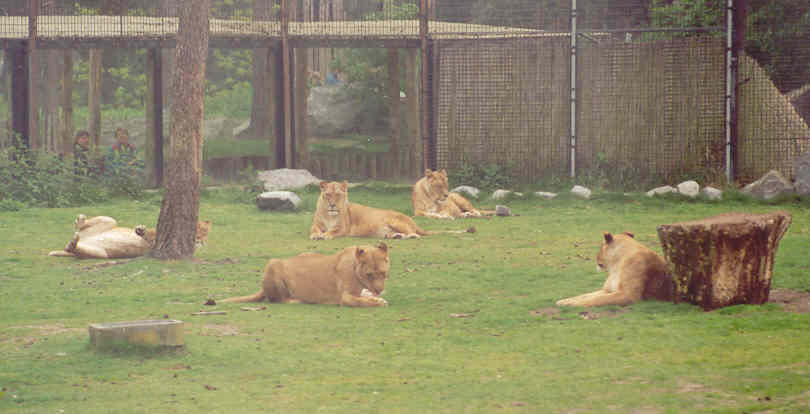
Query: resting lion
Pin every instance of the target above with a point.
(101, 238)
(431, 198)
(355, 276)
(634, 272)
(335, 216)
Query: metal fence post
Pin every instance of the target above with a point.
(573, 81)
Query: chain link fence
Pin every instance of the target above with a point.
(644, 96)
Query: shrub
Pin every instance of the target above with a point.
(44, 179)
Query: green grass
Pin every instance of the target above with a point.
(412, 356)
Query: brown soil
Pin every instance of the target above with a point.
(791, 300)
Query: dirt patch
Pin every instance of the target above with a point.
(43, 331)
(609, 313)
(219, 330)
(544, 312)
(791, 300)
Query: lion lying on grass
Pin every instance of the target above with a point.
(431, 198)
(101, 238)
(634, 272)
(335, 216)
(354, 276)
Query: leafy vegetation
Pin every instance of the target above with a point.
(471, 325)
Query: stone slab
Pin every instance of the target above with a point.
(162, 332)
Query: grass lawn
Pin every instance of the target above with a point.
(471, 325)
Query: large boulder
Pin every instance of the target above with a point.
(802, 168)
(278, 201)
(581, 192)
(770, 185)
(666, 189)
(689, 188)
(466, 189)
(286, 179)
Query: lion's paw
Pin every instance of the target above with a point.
(380, 301)
(71, 246)
(316, 237)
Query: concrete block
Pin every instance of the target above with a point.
(163, 332)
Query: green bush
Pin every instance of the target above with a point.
(486, 177)
(40, 179)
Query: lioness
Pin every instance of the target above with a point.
(101, 238)
(355, 276)
(335, 216)
(431, 198)
(634, 272)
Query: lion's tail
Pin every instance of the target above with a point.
(61, 253)
(258, 297)
(470, 229)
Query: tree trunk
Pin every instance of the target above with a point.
(177, 222)
(94, 99)
(723, 260)
(67, 102)
(412, 92)
(393, 105)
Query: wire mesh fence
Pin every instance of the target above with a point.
(645, 94)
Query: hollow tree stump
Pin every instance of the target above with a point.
(725, 259)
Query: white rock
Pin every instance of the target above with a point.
(469, 190)
(581, 191)
(712, 193)
(499, 194)
(286, 179)
(278, 200)
(546, 195)
(689, 188)
(661, 190)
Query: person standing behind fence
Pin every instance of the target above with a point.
(81, 150)
(121, 154)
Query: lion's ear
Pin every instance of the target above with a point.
(608, 237)
(630, 234)
(383, 247)
(428, 172)
(324, 184)
(444, 171)
(344, 185)
(359, 252)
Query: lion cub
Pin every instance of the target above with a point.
(354, 276)
(335, 216)
(634, 272)
(431, 198)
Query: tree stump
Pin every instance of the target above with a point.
(725, 259)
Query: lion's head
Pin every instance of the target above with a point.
(150, 235)
(334, 197)
(437, 188)
(611, 241)
(372, 266)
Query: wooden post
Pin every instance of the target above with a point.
(67, 102)
(424, 84)
(286, 57)
(412, 92)
(394, 105)
(18, 59)
(154, 119)
(278, 104)
(33, 110)
(723, 260)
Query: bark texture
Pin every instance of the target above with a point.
(177, 223)
(723, 260)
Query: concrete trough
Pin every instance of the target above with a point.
(162, 332)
